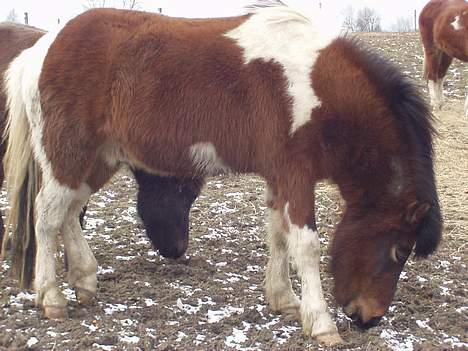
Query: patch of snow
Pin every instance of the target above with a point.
(69, 294)
(455, 342)
(199, 339)
(398, 341)
(254, 269)
(180, 336)
(92, 328)
(106, 270)
(115, 308)
(216, 316)
(423, 324)
(286, 332)
(129, 339)
(237, 337)
(445, 291)
(17, 301)
(149, 302)
(124, 258)
(127, 322)
(190, 309)
(32, 341)
(103, 347)
(444, 264)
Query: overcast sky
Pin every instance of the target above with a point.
(45, 13)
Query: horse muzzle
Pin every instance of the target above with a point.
(365, 315)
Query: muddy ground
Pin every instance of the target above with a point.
(213, 298)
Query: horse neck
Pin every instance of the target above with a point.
(368, 166)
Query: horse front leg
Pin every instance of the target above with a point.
(298, 240)
(304, 249)
(278, 289)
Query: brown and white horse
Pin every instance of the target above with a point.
(443, 25)
(266, 93)
(163, 203)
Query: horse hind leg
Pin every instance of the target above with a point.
(437, 67)
(53, 204)
(82, 265)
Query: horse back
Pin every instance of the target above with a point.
(137, 74)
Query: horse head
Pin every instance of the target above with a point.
(163, 204)
(369, 251)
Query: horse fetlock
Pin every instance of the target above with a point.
(55, 312)
(85, 297)
(85, 289)
(53, 302)
(329, 339)
(284, 302)
(317, 323)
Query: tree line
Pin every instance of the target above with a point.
(367, 19)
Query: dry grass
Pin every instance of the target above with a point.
(452, 174)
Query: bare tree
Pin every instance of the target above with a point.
(91, 4)
(130, 4)
(12, 16)
(123, 4)
(367, 20)
(349, 22)
(403, 24)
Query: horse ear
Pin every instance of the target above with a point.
(416, 212)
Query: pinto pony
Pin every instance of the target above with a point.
(265, 92)
(163, 203)
(443, 25)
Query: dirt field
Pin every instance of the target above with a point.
(213, 298)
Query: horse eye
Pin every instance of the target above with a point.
(399, 254)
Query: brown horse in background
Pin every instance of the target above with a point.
(443, 25)
(266, 93)
(163, 203)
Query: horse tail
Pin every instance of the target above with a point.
(22, 175)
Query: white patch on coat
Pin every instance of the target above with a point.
(304, 249)
(284, 36)
(456, 23)
(206, 159)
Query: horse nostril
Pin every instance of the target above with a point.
(369, 324)
(373, 322)
(354, 317)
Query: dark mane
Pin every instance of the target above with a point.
(416, 124)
